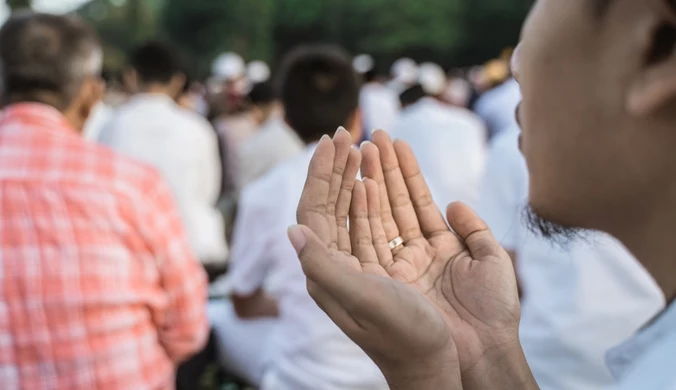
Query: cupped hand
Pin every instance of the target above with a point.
(441, 302)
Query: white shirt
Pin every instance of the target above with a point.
(497, 107)
(97, 121)
(450, 145)
(647, 360)
(184, 148)
(579, 300)
(380, 107)
(269, 146)
(308, 350)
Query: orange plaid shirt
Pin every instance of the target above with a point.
(98, 287)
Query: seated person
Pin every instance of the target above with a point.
(272, 333)
(273, 143)
(181, 144)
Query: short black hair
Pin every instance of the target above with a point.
(319, 90)
(46, 58)
(262, 93)
(156, 62)
(411, 95)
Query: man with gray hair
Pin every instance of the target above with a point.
(99, 287)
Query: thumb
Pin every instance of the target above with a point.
(314, 255)
(473, 231)
(327, 268)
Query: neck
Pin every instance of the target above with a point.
(651, 237)
(157, 89)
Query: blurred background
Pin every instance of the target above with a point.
(452, 33)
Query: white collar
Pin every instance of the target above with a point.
(621, 359)
(156, 98)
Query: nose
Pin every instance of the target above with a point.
(515, 62)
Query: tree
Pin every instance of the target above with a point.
(18, 4)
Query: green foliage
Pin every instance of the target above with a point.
(451, 32)
(18, 4)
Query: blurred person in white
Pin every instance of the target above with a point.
(235, 123)
(180, 143)
(579, 298)
(273, 143)
(404, 74)
(272, 333)
(496, 107)
(450, 140)
(379, 104)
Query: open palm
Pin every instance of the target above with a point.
(443, 298)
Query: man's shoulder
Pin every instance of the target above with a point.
(280, 183)
(122, 174)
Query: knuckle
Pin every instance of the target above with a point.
(423, 201)
(401, 199)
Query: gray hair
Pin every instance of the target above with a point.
(47, 55)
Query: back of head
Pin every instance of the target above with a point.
(411, 95)
(262, 94)
(47, 58)
(156, 63)
(319, 90)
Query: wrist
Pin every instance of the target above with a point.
(425, 374)
(503, 368)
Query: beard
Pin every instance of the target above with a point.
(551, 231)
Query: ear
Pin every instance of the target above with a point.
(130, 80)
(655, 86)
(176, 84)
(92, 92)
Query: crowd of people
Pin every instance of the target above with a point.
(145, 219)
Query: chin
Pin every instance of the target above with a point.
(547, 223)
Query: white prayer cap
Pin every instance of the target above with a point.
(258, 72)
(228, 66)
(405, 70)
(363, 63)
(432, 78)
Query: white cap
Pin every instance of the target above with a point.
(405, 70)
(432, 78)
(363, 63)
(228, 66)
(258, 72)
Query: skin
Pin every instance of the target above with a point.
(80, 108)
(442, 312)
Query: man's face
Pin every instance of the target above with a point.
(589, 155)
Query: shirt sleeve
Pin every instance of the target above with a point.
(504, 192)
(183, 326)
(250, 259)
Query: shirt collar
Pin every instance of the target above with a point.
(39, 114)
(156, 98)
(621, 359)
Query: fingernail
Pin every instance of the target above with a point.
(325, 137)
(341, 128)
(364, 143)
(297, 238)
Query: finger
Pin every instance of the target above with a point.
(360, 230)
(371, 168)
(473, 231)
(341, 141)
(313, 202)
(378, 237)
(397, 192)
(429, 216)
(344, 199)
